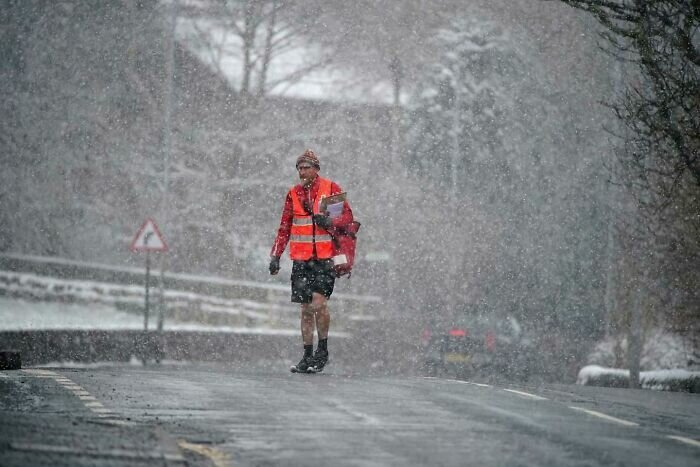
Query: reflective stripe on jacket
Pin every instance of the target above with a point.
(306, 236)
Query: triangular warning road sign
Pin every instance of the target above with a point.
(149, 238)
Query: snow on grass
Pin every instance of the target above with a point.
(669, 361)
(661, 350)
(22, 315)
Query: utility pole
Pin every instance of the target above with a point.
(454, 161)
(456, 130)
(396, 70)
(169, 41)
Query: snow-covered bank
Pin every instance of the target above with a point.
(662, 380)
(669, 361)
(661, 349)
(23, 315)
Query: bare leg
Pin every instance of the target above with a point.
(307, 323)
(319, 303)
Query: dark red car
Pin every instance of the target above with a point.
(477, 345)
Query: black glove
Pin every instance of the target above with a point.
(274, 265)
(323, 221)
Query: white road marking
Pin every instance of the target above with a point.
(605, 417)
(481, 385)
(458, 381)
(89, 401)
(93, 404)
(527, 394)
(3, 376)
(683, 439)
(365, 418)
(105, 416)
(116, 422)
(71, 385)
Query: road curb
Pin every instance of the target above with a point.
(10, 360)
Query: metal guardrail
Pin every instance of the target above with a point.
(354, 307)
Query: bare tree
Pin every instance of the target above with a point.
(659, 162)
(256, 34)
(661, 108)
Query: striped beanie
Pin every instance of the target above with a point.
(310, 157)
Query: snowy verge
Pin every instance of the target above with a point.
(22, 315)
(661, 380)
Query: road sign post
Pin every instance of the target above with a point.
(148, 239)
(148, 280)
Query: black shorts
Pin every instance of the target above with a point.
(312, 276)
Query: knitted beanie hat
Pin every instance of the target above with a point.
(310, 157)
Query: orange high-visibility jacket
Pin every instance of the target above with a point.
(305, 235)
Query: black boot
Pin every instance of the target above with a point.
(302, 366)
(305, 362)
(318, 361)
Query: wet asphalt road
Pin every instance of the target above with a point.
(201, 414)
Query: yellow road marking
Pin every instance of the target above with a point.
(218, 458)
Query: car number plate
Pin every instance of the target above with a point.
(453, 357)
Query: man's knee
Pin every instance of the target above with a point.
(308, 311)
(318, 304)
(317, 307)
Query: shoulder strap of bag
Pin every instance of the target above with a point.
(301, 196)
